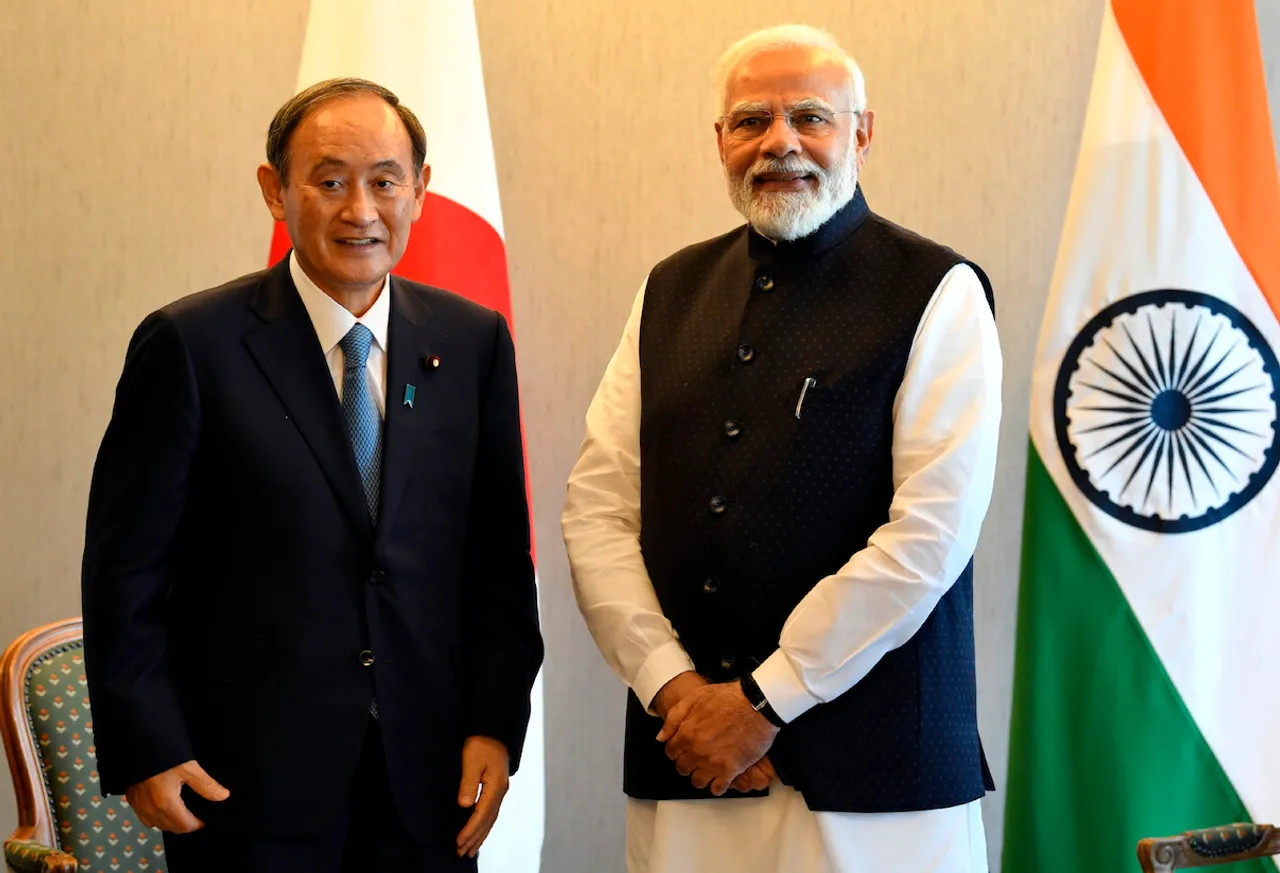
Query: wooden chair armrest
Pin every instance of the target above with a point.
(1221, 845)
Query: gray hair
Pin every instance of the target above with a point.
(786, 36)
(297, 107)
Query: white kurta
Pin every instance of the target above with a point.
(946, 423)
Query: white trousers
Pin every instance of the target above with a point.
(779, 834)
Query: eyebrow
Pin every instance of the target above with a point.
(812, 103)
(761, 106)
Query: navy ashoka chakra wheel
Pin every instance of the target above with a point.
(1165, 410)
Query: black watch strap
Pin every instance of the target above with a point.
(759, 702)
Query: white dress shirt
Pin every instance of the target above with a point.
(946, 423)
(333, 321)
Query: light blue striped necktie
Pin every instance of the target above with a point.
(364, 424)
(360, 414)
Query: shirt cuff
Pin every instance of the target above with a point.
(666, 663)
(783, 688)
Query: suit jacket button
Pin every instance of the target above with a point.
(717, 505)
(732, 428)
(711, 586)
(377, 577)
(366, 658)
(764, 283)
(727, 662)
(746, 352)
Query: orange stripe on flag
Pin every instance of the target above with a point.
(1203, 65)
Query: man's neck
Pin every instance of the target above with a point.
(357, 301)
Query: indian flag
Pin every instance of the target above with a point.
(1149, 614)
(428, 53)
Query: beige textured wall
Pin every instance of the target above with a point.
(130, 134)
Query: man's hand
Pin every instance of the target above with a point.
(714, 735)
(675, 690)
(158, 802)
(485, 771)
(757, 777)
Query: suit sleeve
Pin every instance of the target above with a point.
(503, 646)
(136, 501)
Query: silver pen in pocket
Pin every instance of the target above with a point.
(809, 382)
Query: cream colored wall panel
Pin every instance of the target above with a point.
(131, 130)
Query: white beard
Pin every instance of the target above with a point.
(790, 215)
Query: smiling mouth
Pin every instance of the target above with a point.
(781, 178)
(359, 241)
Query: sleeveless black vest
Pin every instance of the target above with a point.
(749, 498)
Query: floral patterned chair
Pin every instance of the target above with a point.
(64, 823)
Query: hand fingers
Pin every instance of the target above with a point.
(479, 826)
(680, 740)
(675, 715)
(748, 781)
(757, 777)
(469, 787)
(164, 811)
(482, 818)
(175, 818)
(766, 767)
(721, 784)
(204, 784)
(144, 815)
(701, 778)
(685, 764)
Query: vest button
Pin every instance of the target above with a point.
(746, 352)
(732, 428)
(366, 658)
(727, 662)
(717, 505)
(711, 586)
(764, 283)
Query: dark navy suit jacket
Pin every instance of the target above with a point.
(232, 576)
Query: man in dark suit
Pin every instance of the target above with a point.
(310, 619)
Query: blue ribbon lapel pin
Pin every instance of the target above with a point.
(409, 393)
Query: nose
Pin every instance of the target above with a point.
(358, 208)
(780, 140)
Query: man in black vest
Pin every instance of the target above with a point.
(310, 619)
(772, 521)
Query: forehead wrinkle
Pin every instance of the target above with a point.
(325, 162)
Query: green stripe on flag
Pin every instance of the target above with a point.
(1102, 750)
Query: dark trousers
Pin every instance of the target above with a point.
(371, 839)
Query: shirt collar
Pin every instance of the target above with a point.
(331, 319)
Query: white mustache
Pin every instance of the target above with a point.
(790, 164)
